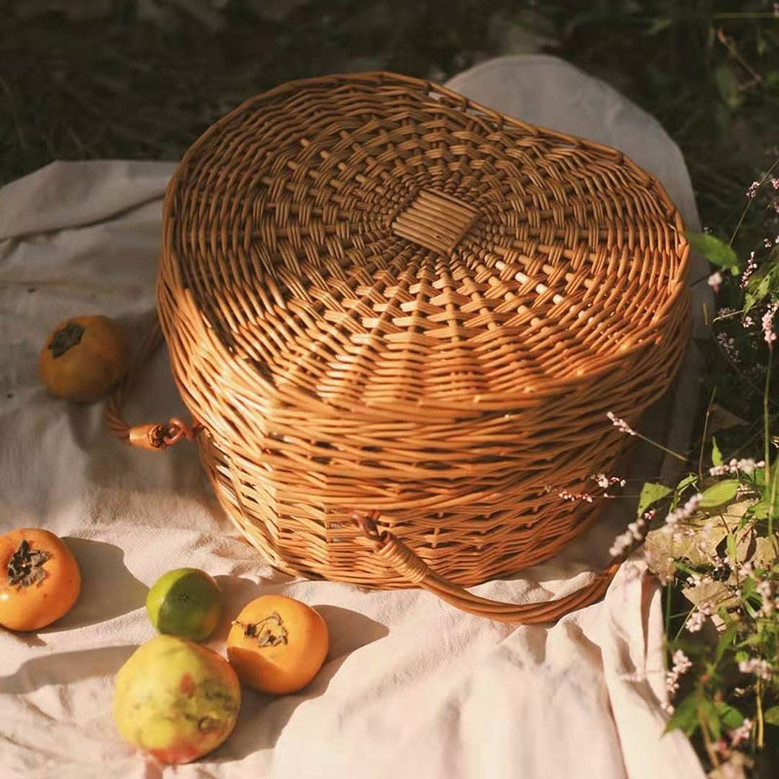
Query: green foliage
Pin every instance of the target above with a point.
(717, 252)
(650, 494)
(719, 493)
(716, 455)
(686, 716)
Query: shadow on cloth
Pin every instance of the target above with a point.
(108, 589)
(65, 668)
(153, 398)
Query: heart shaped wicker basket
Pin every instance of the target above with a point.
(399, 317)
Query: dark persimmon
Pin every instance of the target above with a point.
(84, 357)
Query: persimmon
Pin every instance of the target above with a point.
(39, 579)
(277, 644)
(84, 357)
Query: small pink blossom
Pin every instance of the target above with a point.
(741, 733)
(767, 324)
(681, 664)
(635, 532)
(728, 345)
(745, 465)
(765, 590)
(620, 424)
(604, 482)
(748, 271)
(753, 187)
(574, 496)
(758, 667)
(683, 512)
(695, 622)
(715, 281)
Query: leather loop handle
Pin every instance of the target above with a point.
(407, 563)
(153, 437)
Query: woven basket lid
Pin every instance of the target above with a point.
(378, 241)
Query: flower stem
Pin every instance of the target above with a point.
(662, 448)
(751, 200)
(707, 739)
(767, 442)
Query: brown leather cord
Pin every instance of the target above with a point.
(154, 437)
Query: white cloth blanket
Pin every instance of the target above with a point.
(411, 686)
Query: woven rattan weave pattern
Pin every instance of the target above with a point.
(379, 296)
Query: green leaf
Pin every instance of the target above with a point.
(717, 252)
(688, 480)
(719, 493)
(707, 711)
(759, 510)
(651, 493)
(727, 84)
(659, 24)
(686, 716)
(716, 455)
(731, 717)
(725, 640)
(771, 716)
(731, 546)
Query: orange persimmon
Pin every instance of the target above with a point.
(39, 579)
(84, 357)
(277, 644)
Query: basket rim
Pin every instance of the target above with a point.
(476, 406)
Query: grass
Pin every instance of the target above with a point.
(121, 86)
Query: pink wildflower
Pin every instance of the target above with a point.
(695, 622)
(620, 424)
(683, 512)
(765, 591)
(758, 667)
(681, 664)
(625, 541)
(728, 345)
(745, 465)
(715, 281)
(768, 324)
(741, 733)
(748, 271)
(574, 496)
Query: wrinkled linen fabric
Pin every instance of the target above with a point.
(411, 687)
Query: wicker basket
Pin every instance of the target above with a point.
(386, 303)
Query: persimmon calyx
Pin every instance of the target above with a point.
(25, 568)
(65, 338)
(268, 632)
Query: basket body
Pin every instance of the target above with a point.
(379, 296)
